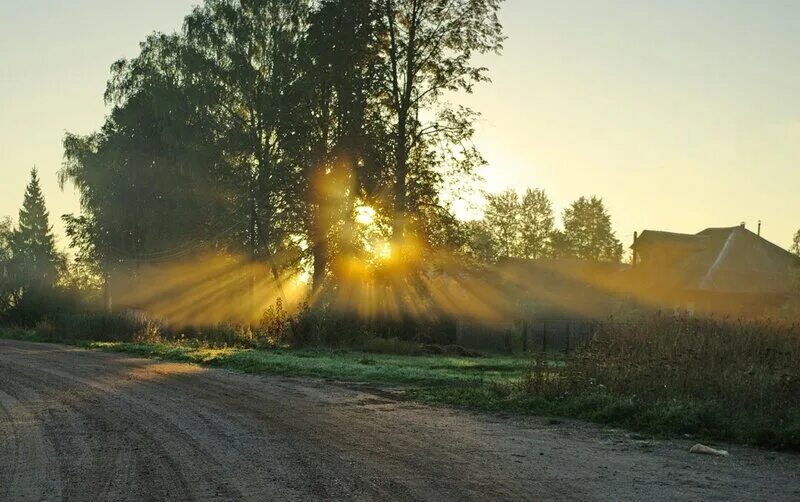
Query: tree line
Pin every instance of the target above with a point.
(262, 126)
(524, 227)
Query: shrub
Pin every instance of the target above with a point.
(275, 326)
(106, 327)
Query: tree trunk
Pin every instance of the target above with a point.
(401, 175)
(319, 251)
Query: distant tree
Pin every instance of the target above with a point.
(6, 231)
(796, 244)
(514, 227)
(587, 233)
(479, 242)
(503, 222)
(6, 289)
(34, 252)
(535, 225)
(35, 263)
(559, 247)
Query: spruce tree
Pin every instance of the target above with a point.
(34, 256)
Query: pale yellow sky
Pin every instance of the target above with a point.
(680, 114)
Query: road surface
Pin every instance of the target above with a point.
(83, 425)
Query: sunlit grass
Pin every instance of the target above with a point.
(340, 365)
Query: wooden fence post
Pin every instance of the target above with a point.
(524, 336)
(544, 337)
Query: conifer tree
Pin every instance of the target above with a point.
(34, 259)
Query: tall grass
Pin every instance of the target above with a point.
(737, 379)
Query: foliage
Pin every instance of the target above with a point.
(104, 327)
(260, 127)
(479, 242)
(34, 256)
(517, 228)
(587, 233)
(33, 265)
(537, 225)
(502, 219)
(275, 324)
(426, 49)
(6, 282)
(796, 244)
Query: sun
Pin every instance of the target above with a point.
(365, 215)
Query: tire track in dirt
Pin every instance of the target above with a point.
(33, 453)
(80, 425)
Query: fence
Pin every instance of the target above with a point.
(531, 335)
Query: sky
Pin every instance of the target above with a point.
(681, 114)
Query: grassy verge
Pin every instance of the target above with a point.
(329, 364)
(494, 383)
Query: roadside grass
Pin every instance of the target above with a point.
(324, 363)
(505, 384)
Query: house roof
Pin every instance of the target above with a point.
(724, 260)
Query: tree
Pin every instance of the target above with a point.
(6, 231)
(332, 113)
(261, 126)
(244, 60)
(536, 225)
(587, 233)
(34, 263)
(796, 244)
(479, 243)
(503, 222)
(192, 156)
(514, 227)
(153, 182)
(6, 288)
(427, 48)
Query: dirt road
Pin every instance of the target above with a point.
(81, 425)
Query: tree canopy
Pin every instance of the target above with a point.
(263, 127)
(524, 228)
(587, 232)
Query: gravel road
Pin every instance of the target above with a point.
(83, 425)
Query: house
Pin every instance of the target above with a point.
(729, 271)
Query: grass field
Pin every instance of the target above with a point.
(519, 385)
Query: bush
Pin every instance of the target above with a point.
(104, 327)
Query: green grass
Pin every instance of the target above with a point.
(329, 364)
(491, 383)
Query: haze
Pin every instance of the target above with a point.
(681, 115)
